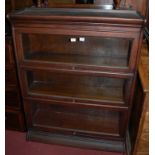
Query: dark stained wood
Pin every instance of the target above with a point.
(72, 87)
(9, 57)
(12, 98)
(14, 120)
(139, 123)
(142, 139)
(79, 15)
(76, 102)
(10, 77)
(14, 111)
(11, 5)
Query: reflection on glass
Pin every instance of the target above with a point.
(81, 87)
(104, 51)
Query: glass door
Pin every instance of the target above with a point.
(76, 87)
(72, 120)
(72, 49)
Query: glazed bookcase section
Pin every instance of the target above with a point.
(82, 50)
(74, 120)
(73, 86)
(77, 69)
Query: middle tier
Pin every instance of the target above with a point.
(78, 87)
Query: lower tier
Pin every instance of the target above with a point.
(76, 141)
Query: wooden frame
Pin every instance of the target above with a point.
(99, 23)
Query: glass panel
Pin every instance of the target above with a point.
(76, 120)
(89, 50)
(76, 86)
